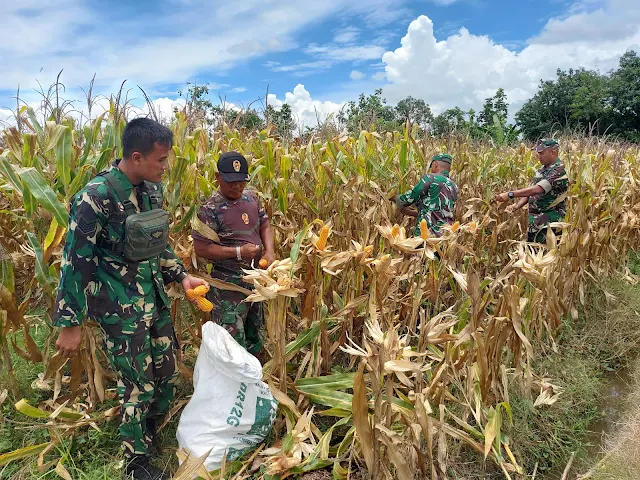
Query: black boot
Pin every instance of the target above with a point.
(139, 468)
(151, 430)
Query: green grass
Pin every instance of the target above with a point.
(89, 454)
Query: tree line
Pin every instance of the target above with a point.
(577, 101)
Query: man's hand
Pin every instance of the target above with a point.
(270, 257)
(501, 197)
(191, 282)
(512, 208)
(249, 251)
(69, 340)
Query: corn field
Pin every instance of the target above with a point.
(384, 358)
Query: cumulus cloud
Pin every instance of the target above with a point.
(356, 75)
(306, 111)
(465, 68)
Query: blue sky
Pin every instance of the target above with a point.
(314, 55)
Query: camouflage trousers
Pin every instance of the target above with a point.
(142, 351)
(242, 320)
(540, 236)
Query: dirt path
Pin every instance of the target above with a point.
(621, 460)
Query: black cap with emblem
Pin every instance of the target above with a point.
(233, 167)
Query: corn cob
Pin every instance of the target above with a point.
(201, 290)
(424, 231)
(203, 304)
(322, 240)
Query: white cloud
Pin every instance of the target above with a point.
(465, 69)
(304, 68)
(346, 35)
(379, 76)
(238, 90)
(340, 53)
(306, 111)
(163, 47)
(356, 75)
(5, 116)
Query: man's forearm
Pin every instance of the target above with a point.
(529, 191)
(213, 251)
(522, 202)
(266, 234)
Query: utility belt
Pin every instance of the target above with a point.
(146, 234)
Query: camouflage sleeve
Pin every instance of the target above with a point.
(87, 216)
(413, 195)
(171, 267)
(552, 177)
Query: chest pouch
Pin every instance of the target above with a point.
(146, 234)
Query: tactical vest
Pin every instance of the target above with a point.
(146, 234)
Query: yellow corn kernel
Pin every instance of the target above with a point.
(395, 231)
(191, 294)
(322, 240)
(455, 226)
(201, 290)
(424, 231)
(203, 304)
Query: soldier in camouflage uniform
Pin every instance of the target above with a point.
(127, 298)
(232, 231)
(434, 196)
(546, 194)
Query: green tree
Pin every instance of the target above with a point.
(576, 100)
(496, 105)
(624, 97)
(414, 111)
(282, 120)
(370, 112)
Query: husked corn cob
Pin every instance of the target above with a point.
(201, 290)
(395, 231)
(203, 304)
(324, 235)
(424, 231)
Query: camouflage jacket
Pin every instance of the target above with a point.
(542, 211)
(96, 282)
(435, 198)
(231, 224)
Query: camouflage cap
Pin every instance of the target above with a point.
(545, 143)
(442, 157)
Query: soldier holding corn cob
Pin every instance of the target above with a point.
(435, 197)
(546, 194)
(232, 231)
(115, 266)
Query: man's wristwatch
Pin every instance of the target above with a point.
(182, 275)
(238, 255)
(510, 195)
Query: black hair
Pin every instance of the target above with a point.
(141, 135)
